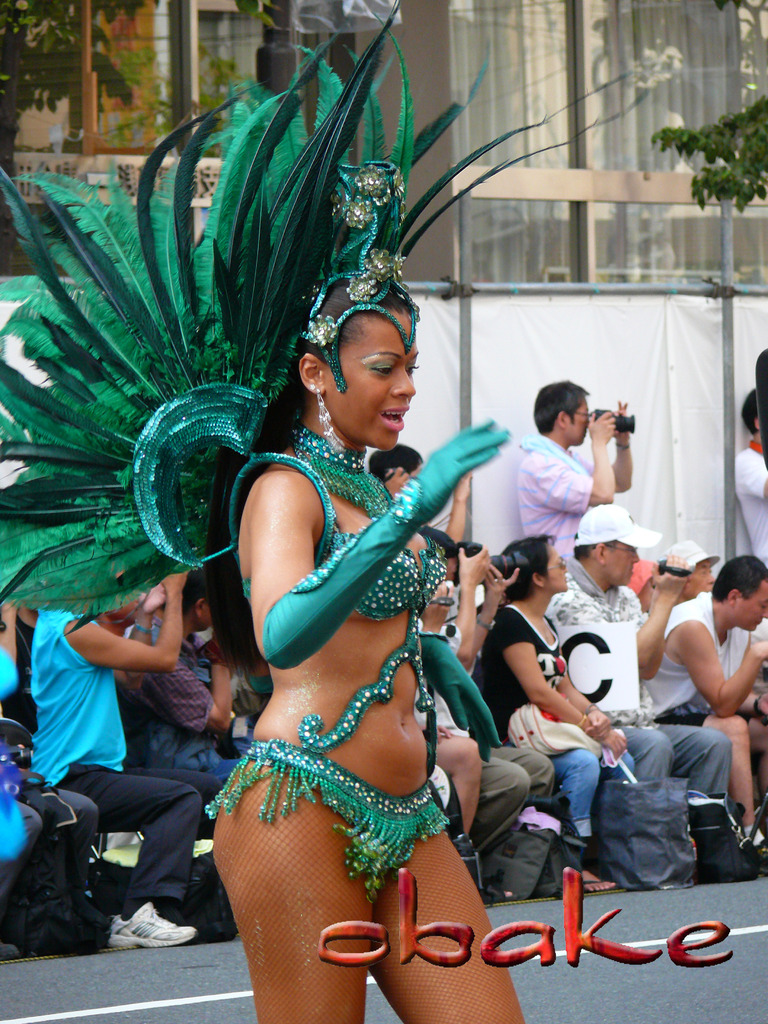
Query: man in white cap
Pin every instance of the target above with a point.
(700, 564)
(598, 575)
(708, 671)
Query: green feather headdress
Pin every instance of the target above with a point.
(157, 348)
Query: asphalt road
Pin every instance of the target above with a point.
(210, 985)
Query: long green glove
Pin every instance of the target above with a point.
(445, 673)
(305, 619)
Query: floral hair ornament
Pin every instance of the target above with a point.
(368, 212)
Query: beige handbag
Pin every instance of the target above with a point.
(529, 727)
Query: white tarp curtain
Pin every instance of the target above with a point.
(661, 354)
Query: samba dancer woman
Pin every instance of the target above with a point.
(324, 857)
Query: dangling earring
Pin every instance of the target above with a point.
(325, 422)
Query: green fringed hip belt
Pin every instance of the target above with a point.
(382, 828)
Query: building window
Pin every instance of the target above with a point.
(519, 241)
(111, 95)
(525, 43)
(667, 63)
(227, 45)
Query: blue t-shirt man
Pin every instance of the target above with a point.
(78, 720)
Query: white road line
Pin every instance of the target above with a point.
(247, 994)
(128, 1007)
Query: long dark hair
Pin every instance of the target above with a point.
(230, 610)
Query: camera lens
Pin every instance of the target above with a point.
(624, 424)
(506, 564)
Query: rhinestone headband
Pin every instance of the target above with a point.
(368, 210)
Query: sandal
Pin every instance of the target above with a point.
(593, 884)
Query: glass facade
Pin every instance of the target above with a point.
(608, 204)
(133, 48)
(520, 241)
(656, 64)
(627, 68)
(227, 44)
(128, 85)
(123, 79)
(524, 44)
(654, 243)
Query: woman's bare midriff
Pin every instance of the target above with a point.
(388, 749)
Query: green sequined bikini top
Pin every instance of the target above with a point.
(406, 584)
(410, 580)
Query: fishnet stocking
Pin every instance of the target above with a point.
(287, 881)
(420, 992)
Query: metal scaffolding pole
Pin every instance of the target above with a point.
(706, 290)
(465, 326)
(729, 393)
(733, 103)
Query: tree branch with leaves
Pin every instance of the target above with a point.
(735, 151)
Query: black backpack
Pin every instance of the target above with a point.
(45, 915)
(529, 862)
(205, 905)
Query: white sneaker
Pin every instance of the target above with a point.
(147, 928)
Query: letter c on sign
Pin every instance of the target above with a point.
(602, 648)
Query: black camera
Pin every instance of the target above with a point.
(624, 424)
(506, 564)
(672, 570)
(18, 740)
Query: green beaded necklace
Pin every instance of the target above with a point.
(342, 472)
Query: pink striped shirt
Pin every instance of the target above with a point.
(552, 497)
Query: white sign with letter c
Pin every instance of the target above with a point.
(602, 663)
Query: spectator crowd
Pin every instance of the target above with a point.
(137, 721)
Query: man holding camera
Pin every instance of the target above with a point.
(174, 719)
(556, 486)
(598, 591)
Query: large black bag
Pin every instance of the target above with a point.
(723, 852)
(205, 905)
(45, 915)
(643, 838)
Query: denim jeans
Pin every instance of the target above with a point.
(579, 773)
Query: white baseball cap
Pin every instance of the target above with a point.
(692, 553)
(605, 523)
